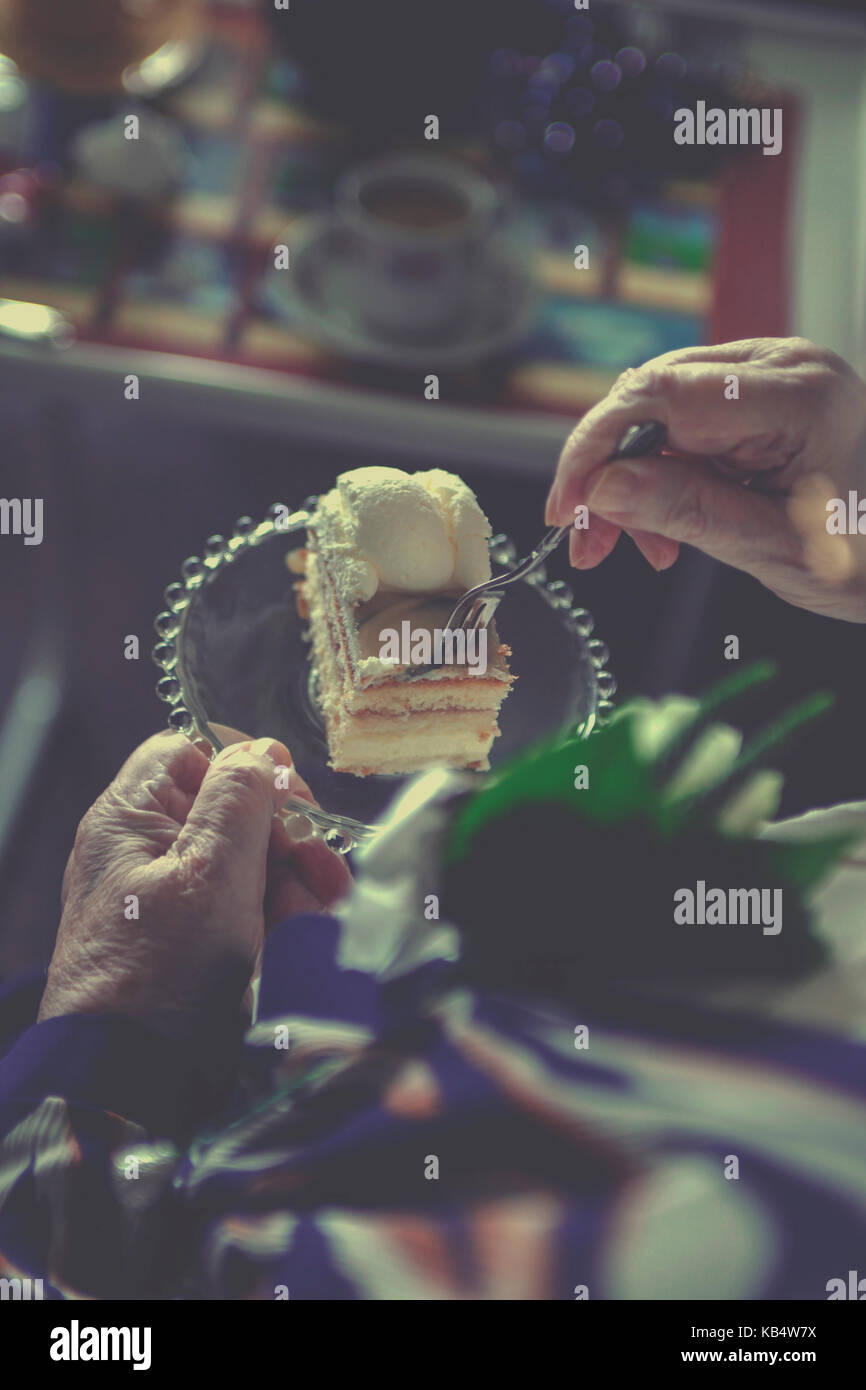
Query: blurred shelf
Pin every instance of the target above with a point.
(300, 407)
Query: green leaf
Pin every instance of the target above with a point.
(620, 784)
(623, 786)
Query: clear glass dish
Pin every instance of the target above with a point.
(234, 655)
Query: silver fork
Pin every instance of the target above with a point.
(474, 610)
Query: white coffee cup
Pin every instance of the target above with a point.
(415, 231)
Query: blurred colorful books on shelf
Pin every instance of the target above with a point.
(192, 273)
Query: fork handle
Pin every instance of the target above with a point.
(643, 438)
(547, 544)
(477, 606)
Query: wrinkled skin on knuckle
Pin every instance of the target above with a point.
(180, 901)
(656, 380)
(191, 873)
(801, 352)
(203, 875)
(245, 780)
(830, 400)
(817, 377)
(754, 348)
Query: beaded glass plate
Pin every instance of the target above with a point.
(234, 654)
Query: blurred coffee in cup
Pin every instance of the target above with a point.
(414, 203)
(416, 231)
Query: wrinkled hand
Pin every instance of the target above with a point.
(796, 436)
(193, 849)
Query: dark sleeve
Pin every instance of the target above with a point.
(96, 1114)
(166, 1081)
(76, 1093)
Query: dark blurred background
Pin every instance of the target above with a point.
(244, 403)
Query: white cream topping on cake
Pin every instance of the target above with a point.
(413, 532)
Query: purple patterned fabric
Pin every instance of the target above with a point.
(420, 1139)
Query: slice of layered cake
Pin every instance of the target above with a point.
(389, 552)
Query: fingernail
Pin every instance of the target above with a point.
(232, 750)
(617, 491)
(278, 754)
(553, 506)
(273, 749)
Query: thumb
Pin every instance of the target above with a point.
(689, 502)
(234, 807)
